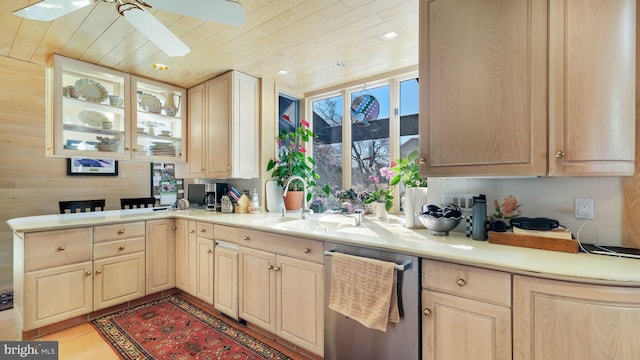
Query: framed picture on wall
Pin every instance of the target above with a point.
(92, 167)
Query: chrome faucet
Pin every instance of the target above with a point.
(304, 212)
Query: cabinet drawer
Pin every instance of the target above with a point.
(118, 231)
(305, 249)
(118, 247)
(471, 282)
(227, 233)
(204, 230)
(57, 247)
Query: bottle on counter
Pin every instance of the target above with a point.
(479, 219)
(254, 204)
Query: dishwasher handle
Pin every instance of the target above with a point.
(400, 267)
(227, 245)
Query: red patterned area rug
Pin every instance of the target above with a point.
(172, 328)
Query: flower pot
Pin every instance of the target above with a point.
(416, 197)
(293, 200)
(381, 211)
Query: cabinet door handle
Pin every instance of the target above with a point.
(121, 248)
(461, 282)
(61, 248)
(88, 273)
(269, 267)
(209, 251)
(426, 311)
(276, 269)
(193, 231)
(98, 272)
(306, 251)
(559, 154)
(121, 231)
(174, 227)
(422, 161)
(246, 238)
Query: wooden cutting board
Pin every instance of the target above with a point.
(534, 242)
(274, 196)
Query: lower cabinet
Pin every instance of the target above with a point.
(160, 255)
(564, 320)
(54, 295)
(118, 279)
(281, 292)
(466, 312)
(194, 258)
(204, 269)
(225, 281)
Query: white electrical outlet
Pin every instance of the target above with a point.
(585, 208)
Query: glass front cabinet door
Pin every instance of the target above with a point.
(158, 125)
(103, 113)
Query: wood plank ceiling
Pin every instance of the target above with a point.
(304, 37)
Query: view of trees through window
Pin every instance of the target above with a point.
(370, 145)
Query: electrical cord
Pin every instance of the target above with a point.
(596, 245)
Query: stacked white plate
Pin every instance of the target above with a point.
(162, 149)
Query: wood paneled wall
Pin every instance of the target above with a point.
(32, 184)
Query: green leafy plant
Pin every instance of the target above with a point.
(292, 159)
(407, 171)
(381, 195)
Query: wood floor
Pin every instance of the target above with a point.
(82, 341)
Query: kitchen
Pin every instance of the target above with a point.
(32, 183)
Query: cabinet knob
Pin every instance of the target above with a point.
(121, 231)
(203, 230)
(121, 248)
(269, 267)
(134, 149)
(192, 231)
(88, 273)
(245, 238)
(422, 161)
(559, 154)
(61, 248)
(209, 251)
(426, 311)
(174, 227)
(461, 282)
(98, 272)
(276, 269)
(306, 251)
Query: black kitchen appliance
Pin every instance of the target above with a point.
(213, 195)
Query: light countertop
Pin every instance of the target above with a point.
(390, 235)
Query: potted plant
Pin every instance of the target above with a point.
(293, 160)
(406, 170)
(382, 197)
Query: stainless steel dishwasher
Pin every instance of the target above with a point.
(346, 339)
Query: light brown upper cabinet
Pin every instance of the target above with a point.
(224, 128)
(527, 87)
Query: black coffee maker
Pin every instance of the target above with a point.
(213, 193)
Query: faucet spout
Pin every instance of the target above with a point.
(305, 212)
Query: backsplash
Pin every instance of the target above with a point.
(551, 197)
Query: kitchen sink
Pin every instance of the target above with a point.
(326, 224)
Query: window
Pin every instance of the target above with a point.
(372, 142)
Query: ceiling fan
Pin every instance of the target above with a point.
(135, 12)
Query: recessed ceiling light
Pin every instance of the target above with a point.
(341, 63)
(282, 72)
(390, 36)
(160, 67)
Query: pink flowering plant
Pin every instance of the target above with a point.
(509, 209)
(293, 159)
(406, 170)
(380, 194)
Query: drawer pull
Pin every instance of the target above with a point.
(121, 231)
(270, 267)
(121, 248)
(306, 251)
(203, 230)
(246, 238)
(88, 273)
(276, 268)
(426, 311)
(461, 282)
(61, 248)
(98, 272)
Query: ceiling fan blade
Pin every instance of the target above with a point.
(221, 11)
(153, 29)
(48, 10)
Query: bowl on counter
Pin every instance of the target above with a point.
(439, 225)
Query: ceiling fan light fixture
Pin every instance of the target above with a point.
(49, 10)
